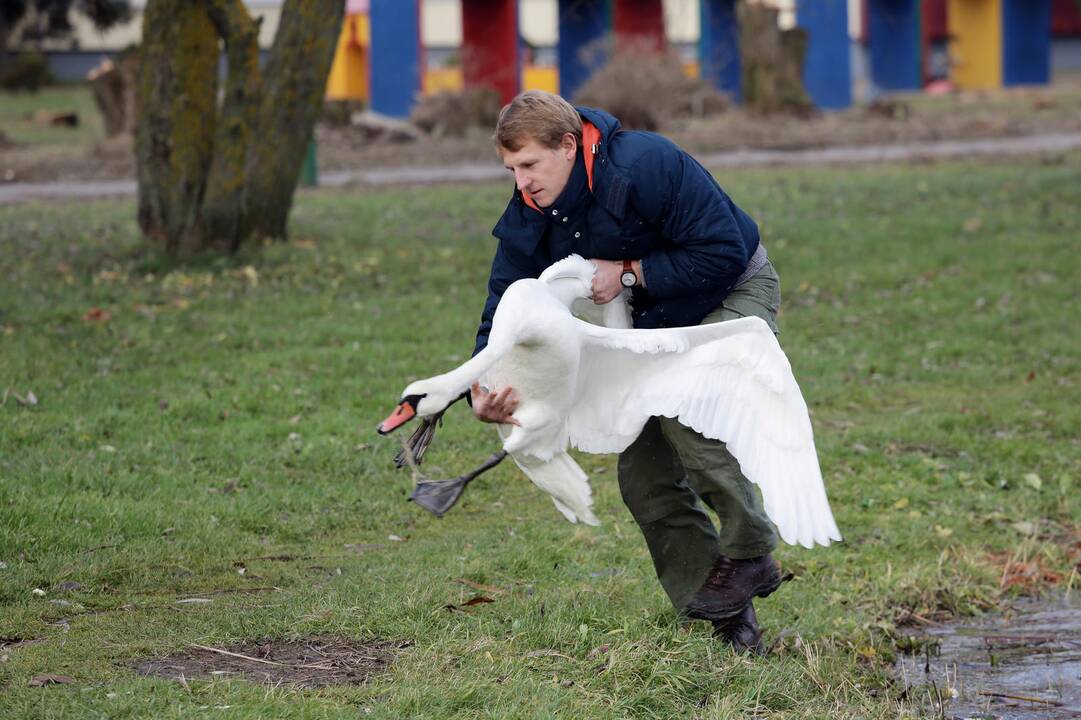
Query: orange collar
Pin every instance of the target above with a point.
(591, 144)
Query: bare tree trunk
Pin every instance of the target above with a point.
(113, 86)
(226, 208)
(298, 68)
(772, 62)
(210, 176)
(176, 98)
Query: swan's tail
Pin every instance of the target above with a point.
(567, 483)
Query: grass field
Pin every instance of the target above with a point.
(170, 433)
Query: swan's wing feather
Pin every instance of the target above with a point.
(729, 381)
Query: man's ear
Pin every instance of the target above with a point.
(569, 145)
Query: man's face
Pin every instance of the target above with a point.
(539, 171)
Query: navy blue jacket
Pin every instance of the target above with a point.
(650, 201)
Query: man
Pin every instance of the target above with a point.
(653, 220)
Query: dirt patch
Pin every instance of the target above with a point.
(313, 662)
(1024, 664)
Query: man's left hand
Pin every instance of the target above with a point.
(606, 285)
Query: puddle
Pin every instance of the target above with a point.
(1024, 664)
(314, 662)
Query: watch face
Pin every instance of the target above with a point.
(628, 279)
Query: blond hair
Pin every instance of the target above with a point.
(536, 115)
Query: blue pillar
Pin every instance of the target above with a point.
(583, 25)
(718, 46)
(894, 27)
(1026, 42)
(827, 73)
(395, 56)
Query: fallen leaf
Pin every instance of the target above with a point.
(42, 680)
(599, 650)
(901, 504)
(31, 398)
(481, 586)
(1024, 527)
(477, 600)
(96, 314)
(1033, 481)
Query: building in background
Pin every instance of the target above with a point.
(974, 59)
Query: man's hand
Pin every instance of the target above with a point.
(606, 285)
(494, 407)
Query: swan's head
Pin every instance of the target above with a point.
(422, 398)
(574, 272)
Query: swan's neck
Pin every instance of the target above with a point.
(566, 290)
(457, 381)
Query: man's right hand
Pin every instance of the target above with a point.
(494, 407)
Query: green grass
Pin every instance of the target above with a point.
(17, 120)
(224, 412)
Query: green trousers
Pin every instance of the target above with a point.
(666, 472)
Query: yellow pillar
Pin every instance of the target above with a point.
(975, 43)
(348, 79)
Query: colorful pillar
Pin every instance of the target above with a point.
(718, 46)
(583, 25)
(490, 53)
(396, 57)
(641, 21)
(348, 79)
(1026, 42)
(827, 72)
(933, 29)
(896, 56)
(999, 42)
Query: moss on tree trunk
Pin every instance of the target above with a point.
(212, 173)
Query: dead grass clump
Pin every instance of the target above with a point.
(454, 113)
(312, 662)
(646, 89)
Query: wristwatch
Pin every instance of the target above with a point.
(628, 278)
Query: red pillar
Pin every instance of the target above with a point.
(933, 27)
(640, 20)
(490, 56)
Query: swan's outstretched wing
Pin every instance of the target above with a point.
(560, 477)
(729, 381)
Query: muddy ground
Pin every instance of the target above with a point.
(1022, 665)
(312, 662)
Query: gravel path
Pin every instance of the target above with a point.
(841, 155)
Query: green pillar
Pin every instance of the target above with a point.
(309, 171)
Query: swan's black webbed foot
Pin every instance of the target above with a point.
(439, 496)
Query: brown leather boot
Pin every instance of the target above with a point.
(741, 632)
(731, 585)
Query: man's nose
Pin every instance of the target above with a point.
(522, 180)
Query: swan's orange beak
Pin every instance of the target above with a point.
(401, 415)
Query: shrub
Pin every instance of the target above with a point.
(645, 88)
(27, 71)
(453, 113)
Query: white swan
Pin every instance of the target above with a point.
(595, 387)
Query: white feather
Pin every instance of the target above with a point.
(595, 387)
